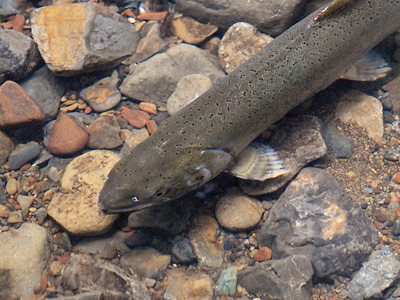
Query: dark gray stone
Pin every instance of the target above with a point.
(19, 55)
(155, 79)
(396, 227)
(23, 154)
(7, 8)
(46, 90)
(339, 145)
(3, 198)
(170, 218)
(283, 279)
(84, 273)
(315, 217)
(272, 17)
(376, 275)
(183, 250)
(391, 154)
(298, 141)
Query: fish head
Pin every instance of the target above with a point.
(143, 179)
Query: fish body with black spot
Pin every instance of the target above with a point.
(203, 139)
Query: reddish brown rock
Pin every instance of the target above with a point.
(6, 146)
(263, 254)
(136, 118)
(68, 135)
(104, 133)
(151, 126)
(148, 107)
(16, 107)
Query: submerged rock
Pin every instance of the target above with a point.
(101, 37)
(315, 217)
(279, 279)
(155, 79)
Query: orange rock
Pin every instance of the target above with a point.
(68, 135)
(396, 178)
(16, 23)
(43, 283)
(16, 107)
(263, 254)
(148, 107)
(151, 126)
(136, 118)
(157, 16)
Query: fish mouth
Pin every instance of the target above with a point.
(117, 210)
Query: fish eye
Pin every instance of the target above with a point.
(135, 199)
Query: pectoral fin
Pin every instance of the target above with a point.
(215, 159)
(369, 67)
(257, 162)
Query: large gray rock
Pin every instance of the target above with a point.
(272, 17)
(82, 37)
(315, 217)
(297, 141)
(46, 90)
(19, 55)
(24, 256)
(156, 79)
(7, 8)
(377, 274)
(281, 279)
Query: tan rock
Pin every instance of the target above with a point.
(203, 237)
(187, 285)
(16, 107)
(67, 136)
(240, 42)
(238, 212)
(82, 37)
(132, 139)
(6, 146)
(76, 207)
(363, 110)
(103, 95)
(191, 31)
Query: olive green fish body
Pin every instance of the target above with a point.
(201, 140)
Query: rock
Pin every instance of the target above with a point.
(155, 79)
(105, 246)
(12, 186)
(148, 107)
(146, 262)
(68, 135)
(240, 42)
(188, 285)
(76, 207)
(19, 55)
(104, 133)
(149, 45)
(23, 154)
(16, 107)
(25, 253)
(7, 8)
(6, 146)
(101, 37)
(339, 145)
(363, 110)
(84, 273)
(237, 212)
(263, 254)
(272, 17)
(46, 90)
(226, 284)
(132, 139)
(188, 89)
(203, 237)
(103, 95)
(15, 217)
(170, 218)
(297, 141)
(3, 197)
(191, 31)
(283, 279)
(393, 88)
(376, 275)
(183, 250)
(40, 215)
(25, 202)
(315, 217)
(137, 118)
(391, 154)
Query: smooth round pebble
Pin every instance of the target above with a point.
(238, 212)
(12, 186)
